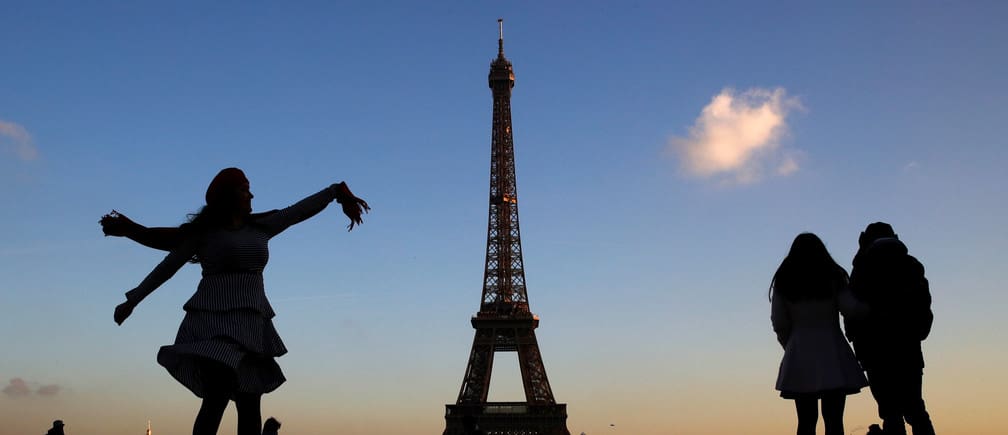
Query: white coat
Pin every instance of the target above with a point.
(817, 358)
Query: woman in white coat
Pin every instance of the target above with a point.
(807, 294)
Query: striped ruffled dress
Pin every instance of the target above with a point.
(229, 319)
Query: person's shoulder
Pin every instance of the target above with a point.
(261, 220)
(913, 265)
(260, 215)
(913, 260)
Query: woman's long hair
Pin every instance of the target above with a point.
(210, 217)
(201, 222)
(808, 271)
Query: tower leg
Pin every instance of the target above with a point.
(476, 383)
(539, 414)
(537, 387)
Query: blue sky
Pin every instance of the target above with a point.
(650, 276)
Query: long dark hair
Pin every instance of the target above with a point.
(209, 217)
(201, 222)
(808, 271)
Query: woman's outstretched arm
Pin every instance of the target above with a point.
(353, 207)
(161, 273)
(163, 238)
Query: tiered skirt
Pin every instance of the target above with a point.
(243, 340)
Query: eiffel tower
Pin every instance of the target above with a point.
(504, 322)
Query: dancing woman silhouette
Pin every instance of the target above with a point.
(226, 345)
(808, 292)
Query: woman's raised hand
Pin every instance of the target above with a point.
(353, 207)
(122, 311)
(117, 224)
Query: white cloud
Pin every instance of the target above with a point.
(21, 142)
(737, 136)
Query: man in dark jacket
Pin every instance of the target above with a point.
(888, 340)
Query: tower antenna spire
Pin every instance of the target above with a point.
(500, 37)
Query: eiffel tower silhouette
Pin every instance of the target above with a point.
(504, 322)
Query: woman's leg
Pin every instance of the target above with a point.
(808, 414)
(249, 414)
(832, 413)
(218, 385)
(209, 417)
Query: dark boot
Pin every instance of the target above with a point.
(921, 423)
(893, 427)
(923, 427)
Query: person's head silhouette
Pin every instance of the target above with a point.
(808, 271)
(57, 428)
(875, 231)
(271, 427)
(229, 190)
(809, 248)
(228, 202)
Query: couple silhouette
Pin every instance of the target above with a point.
(886, 307)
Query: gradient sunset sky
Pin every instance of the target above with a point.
(667, 154)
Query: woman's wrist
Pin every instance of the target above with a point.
(134, 229)
(133, 297)
(341, 192)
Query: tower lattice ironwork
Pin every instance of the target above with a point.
(504, 322)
